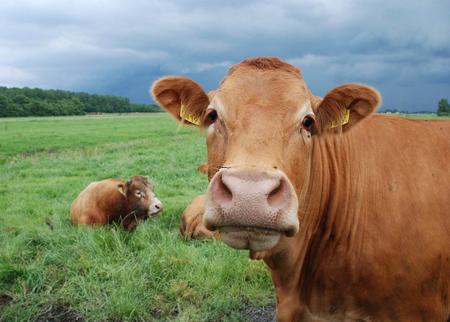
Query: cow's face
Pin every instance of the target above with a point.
(140, 196)
(261, 124)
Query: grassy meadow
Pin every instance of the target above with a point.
(52, 271)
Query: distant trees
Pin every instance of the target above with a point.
(38, 102)
(443, 108)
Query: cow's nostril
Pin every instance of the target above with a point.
(221, 192)
(277, 197)
(157, 206)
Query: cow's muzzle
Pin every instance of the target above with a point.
(251, 209)
(155, 208)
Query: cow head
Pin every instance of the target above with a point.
(261, 126)
(141, 199)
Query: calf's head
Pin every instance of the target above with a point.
(261, 125)
(140, 197)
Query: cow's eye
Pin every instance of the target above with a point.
(138, 193)
(211, 117)
(308, 122)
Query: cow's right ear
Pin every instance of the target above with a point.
(121, 188)
(183, 98)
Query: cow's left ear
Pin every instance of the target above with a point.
(121, 188)
(183, 98)
(344, 106)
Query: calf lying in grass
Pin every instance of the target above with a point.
(113, 200)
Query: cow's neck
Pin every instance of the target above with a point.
(325, 218)
(121, 209)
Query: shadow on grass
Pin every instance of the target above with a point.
(265, 313)
(5, 300)
(57, 313)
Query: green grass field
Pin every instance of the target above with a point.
(422, 116)
(50, 270)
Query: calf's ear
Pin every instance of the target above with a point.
(344, 106)
(121, 188)
(183, 98)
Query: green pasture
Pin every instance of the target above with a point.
(52, 271)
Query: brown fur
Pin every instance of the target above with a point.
(266, 64)
(102, 202)
(173, 91)
(355, 97)
(191, 225)
(373, 208)
(203, 168)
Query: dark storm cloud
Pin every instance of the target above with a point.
(120, 47)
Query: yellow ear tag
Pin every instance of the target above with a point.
(121, 189)
(343, 121)
(189, 117)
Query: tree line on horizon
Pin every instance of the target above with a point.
(15, 102)
(26, 101)
(442, 110)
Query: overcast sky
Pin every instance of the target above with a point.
(120, 47)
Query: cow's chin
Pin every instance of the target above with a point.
(255, 239)
(153, 212)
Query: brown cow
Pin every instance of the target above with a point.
(352, 208)
(113, 200)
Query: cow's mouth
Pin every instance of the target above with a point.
(154, 213)
(253, 238)
(155, 208)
